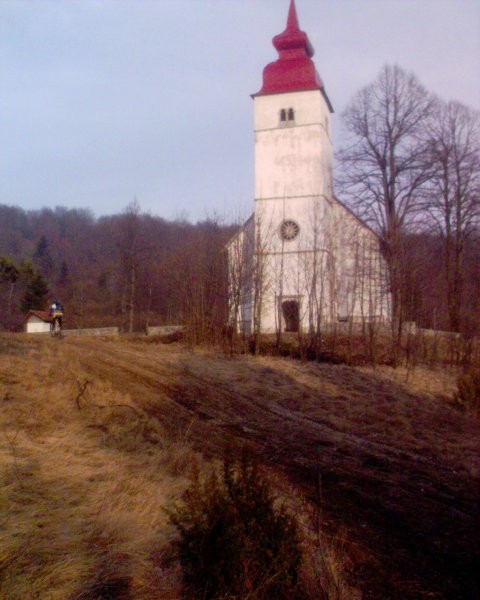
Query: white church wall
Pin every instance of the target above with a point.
(334, 270)
(361, 289)
(293, 159)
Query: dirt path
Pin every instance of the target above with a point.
(398, 470)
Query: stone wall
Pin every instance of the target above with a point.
(92, 331)
(164, 329)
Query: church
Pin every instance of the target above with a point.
(302, 260)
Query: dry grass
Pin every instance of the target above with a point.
(86, 475)
(83, 490)
(97, 437)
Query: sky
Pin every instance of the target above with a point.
(107, 101)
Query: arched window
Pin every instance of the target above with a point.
(283, 115)
(291, 114)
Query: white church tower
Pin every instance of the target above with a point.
(297, 261)
(293, 151)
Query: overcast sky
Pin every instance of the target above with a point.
(102, 101)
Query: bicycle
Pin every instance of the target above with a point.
(56, 325)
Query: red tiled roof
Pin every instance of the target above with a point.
(43, 315)
(294, 70)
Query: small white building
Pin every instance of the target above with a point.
(37, 321)
(303, 258)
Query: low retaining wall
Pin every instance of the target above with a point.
(92, 331)
(438, 333)
(164, 329)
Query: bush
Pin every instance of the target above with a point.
(233, 541)
(468, 395)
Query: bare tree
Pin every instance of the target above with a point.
(453, 196)
(240, 254)
(129, 246)
(383, 164)
(200, 273)
(319, 271)
(261, 273)
(254, 279)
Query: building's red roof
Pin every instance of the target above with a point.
(294, 70)
(43, 315)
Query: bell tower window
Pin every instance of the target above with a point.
(287, 116)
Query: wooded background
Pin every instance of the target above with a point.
(409, 168)
(179, 271)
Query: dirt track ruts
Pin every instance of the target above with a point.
(412, 514)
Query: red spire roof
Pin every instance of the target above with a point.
(292, 38)
(294, 70)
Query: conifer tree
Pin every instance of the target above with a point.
(36, 294)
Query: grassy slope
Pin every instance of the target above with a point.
(85, 484)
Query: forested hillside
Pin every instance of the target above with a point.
(425, 286)
(134, 270)
(129, 270)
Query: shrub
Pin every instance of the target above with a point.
(468, 394)
(233, 540)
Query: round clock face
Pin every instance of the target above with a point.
(289, 230)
